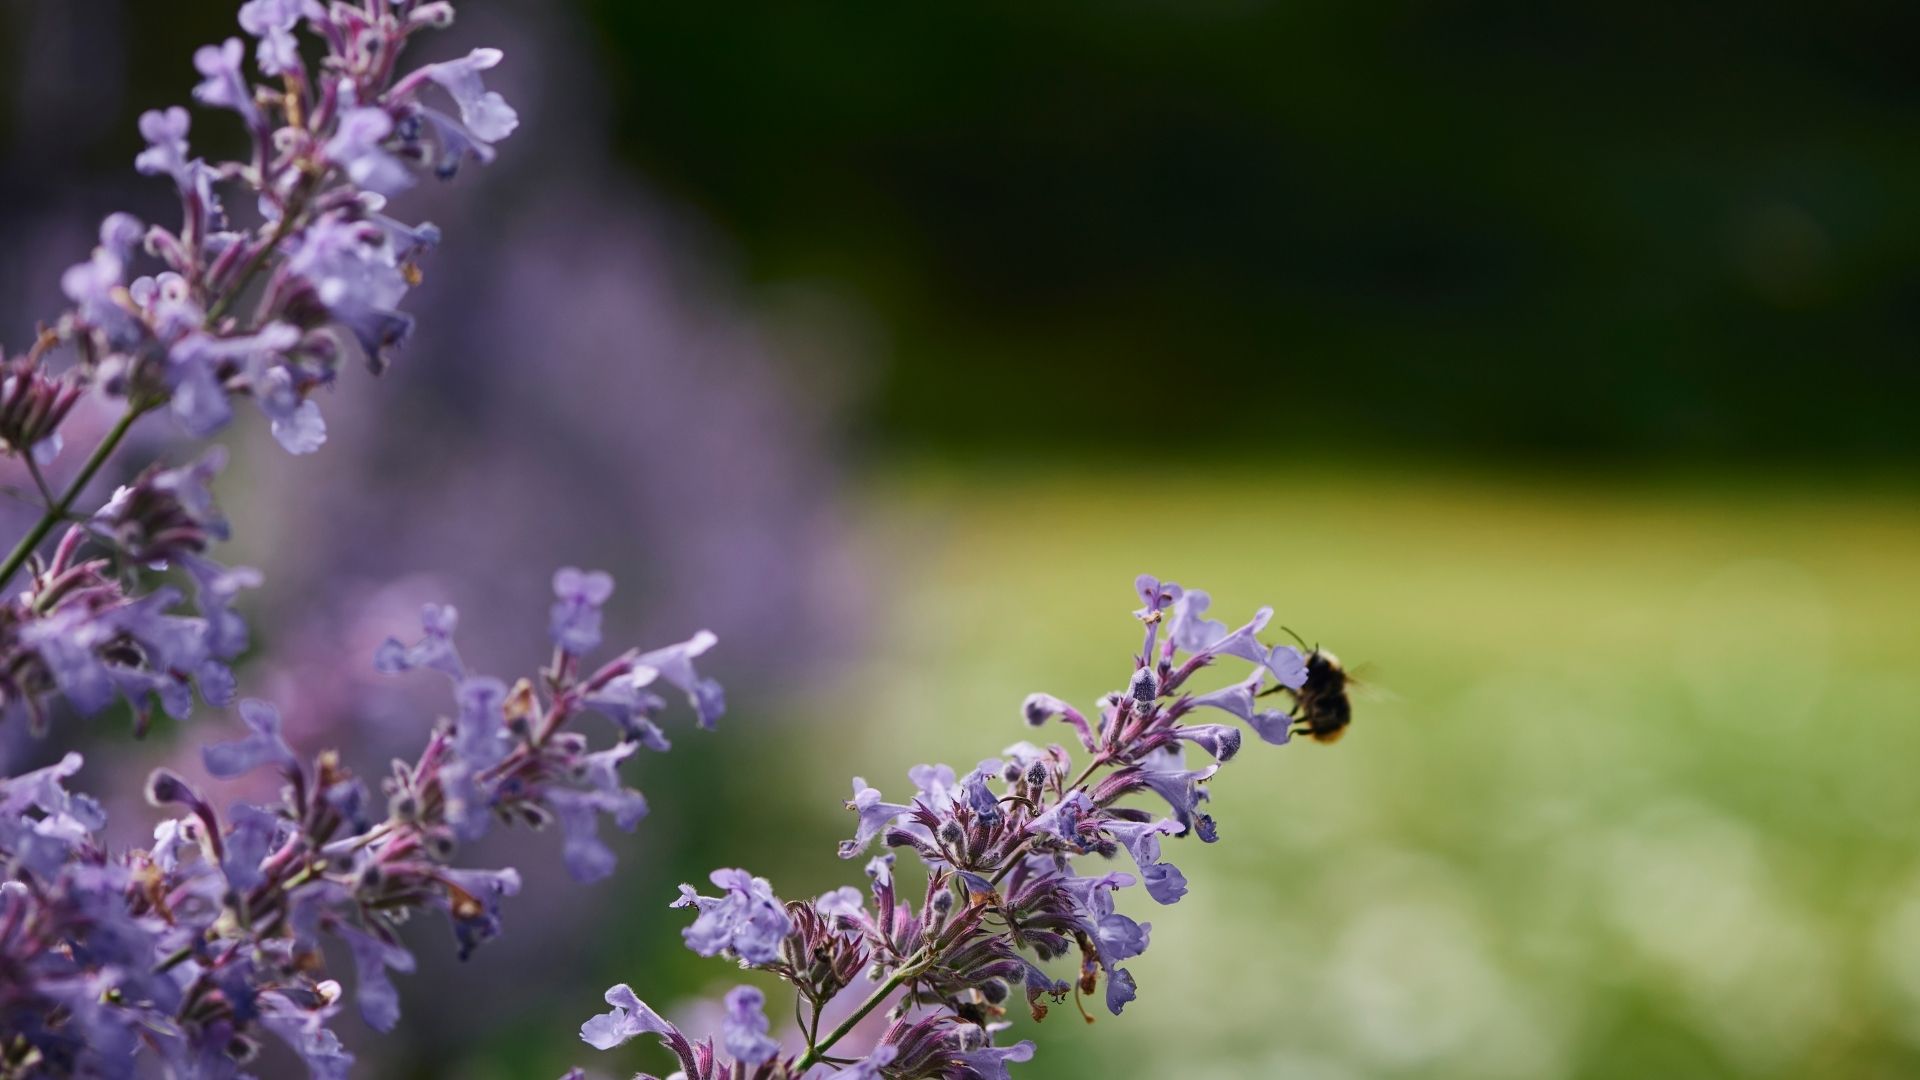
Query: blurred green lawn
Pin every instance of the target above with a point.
(1635, 796)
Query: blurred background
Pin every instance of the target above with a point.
(1556, 367)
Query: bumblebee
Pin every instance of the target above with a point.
(1321, 710)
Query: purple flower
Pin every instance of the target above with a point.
(44, 790)
(355, 274)
(843, 902)
(480, 734)
(1220, 740)
(166, 152)
(576, 609)
(1241, 700)
(744, 1029)
(675, 664)
(1039, 708)
(630, 1017)
(990, 1062)
(1168, 776)
(92, 285)
(485, 113)
(475, 911)
(1155, 598)
(272, 21)
(587, 858)
(748, 921)
(254, 833)
(1117, 936)
(1288, 666)
(1062, 819)
(216, 588)
(304, 1032)
(1192, 631)
(197, 367)
(1272, 726)
(434, 650)
(372, 956)
(263, 747)
(632, 708)
(222, 84)
(356, 148)
(1163, 881)
(936, 786)
(67, 642)
(875, 815)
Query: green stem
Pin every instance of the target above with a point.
(907, 971)
(58, 511)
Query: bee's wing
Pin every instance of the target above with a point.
(1360, 684)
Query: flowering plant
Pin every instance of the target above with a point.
(182, 957)
(1007, 849)
(178, 958)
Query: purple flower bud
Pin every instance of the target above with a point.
(1144, 687)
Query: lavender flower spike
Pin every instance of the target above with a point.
(1015, 852)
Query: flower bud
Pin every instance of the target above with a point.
(165, 786)
(1145, 687)
(32, 405)
(1037, 709)
(437, 15)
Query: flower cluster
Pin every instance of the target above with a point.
(191, 317)
(194, 950)
(83, 631)
(182, 957)
(1016, 852)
